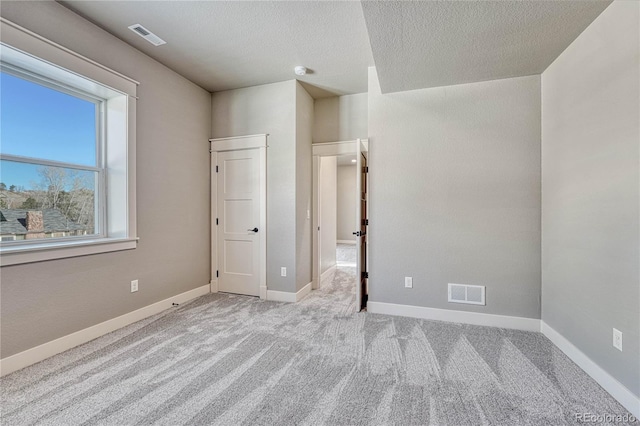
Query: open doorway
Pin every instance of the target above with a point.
(339, 219)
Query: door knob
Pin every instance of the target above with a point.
(253, 230)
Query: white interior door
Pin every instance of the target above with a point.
(239, 235)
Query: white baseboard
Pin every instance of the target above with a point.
(328, 274)
(285, 296)
(475, 318)
(281, 296)
(263, 292)
(346, 242)
(214, 286)
(303, 291)
(54, 347)
(619, 391)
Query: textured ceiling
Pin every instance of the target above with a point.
(223, 45)
(439, 43)
(230, 44)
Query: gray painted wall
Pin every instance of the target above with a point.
(304, 177)
(47, 300)
(346, 203)
(455, 194)
(328, 199)
(340, 118)
(591, 175)
(271, 109)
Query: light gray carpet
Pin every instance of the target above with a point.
(346, 254)
(232, 360)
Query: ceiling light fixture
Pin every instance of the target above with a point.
(147, 35)
(300, 70)
(353, 161)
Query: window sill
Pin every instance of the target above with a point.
(60, 250)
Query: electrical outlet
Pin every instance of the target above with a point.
(283, 271)
(617, 339)
(134, 286)
(408, 282)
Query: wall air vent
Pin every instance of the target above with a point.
(147, 35)
(463, 293)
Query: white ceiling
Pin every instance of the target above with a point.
(439, 43)
(223, 45)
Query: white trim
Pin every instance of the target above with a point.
(358, 222)
(475, 318)
(315, 231)
(619, 391)
(328, 274)
(281, 296)
(27, 41)
(214, 286)
(214, 215)
(329, 149)
(346, 242)
(232, 138)
(303, 291)
(263, 218)
(285, 296)
(239, 142)
(44, 59)
(49, 349)
(38, 253)
(364, 147)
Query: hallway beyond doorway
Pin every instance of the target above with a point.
(346, 255)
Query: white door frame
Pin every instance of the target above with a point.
(326, 149)
(236, 144)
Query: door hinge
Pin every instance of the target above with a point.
(217, 274)
(365, 169)
(365, 274)
(216, 220)
(365, 222)
(216, 169)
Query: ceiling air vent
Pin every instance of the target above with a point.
(464, 293)
(147, 35)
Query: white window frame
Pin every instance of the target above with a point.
(32, 54)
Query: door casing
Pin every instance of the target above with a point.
(235, 144)
(329, 149)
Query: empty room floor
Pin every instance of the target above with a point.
(229, 360)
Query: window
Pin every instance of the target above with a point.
(51, 168)
(67, 152)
